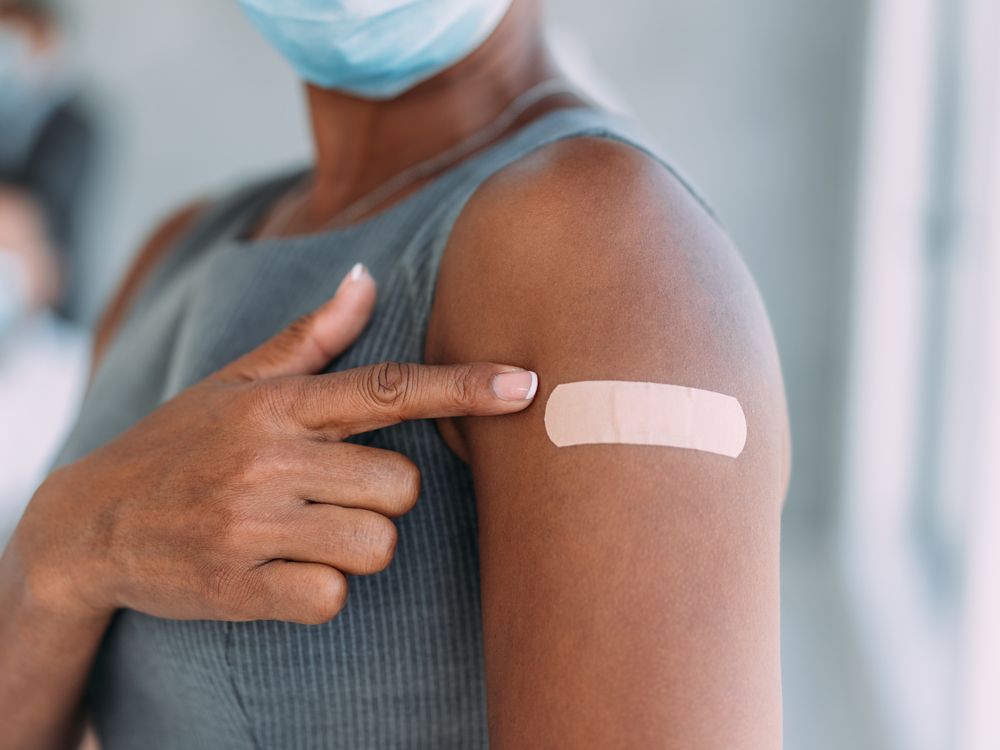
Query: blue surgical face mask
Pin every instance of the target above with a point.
(375, 49)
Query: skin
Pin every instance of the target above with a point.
(630, 594)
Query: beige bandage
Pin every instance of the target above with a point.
(610, 411)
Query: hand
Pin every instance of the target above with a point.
(238, 499)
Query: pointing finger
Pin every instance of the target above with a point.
(370, 398)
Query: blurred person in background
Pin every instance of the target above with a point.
(46, 138)
(45, 157)
(260, 426)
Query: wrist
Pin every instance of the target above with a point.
(35, 598)
(51, 565)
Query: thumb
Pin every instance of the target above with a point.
(310, 343)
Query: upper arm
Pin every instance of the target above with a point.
(630, 594)
(159, 243)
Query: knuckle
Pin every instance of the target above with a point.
(291, 338)
(407, 487)
(327, 601)
(229, 530)
(229, 522)
(462, 389)
(389, 384)
(225, 591)
(279, 348)
(266, 400)
(250, 467)
(302, 327)
(269, 465)
(378, 536)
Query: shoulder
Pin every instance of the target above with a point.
(590, 259)
(593, 226)
(592, 212)
(597, 181)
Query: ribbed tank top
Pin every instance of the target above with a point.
(402, 665)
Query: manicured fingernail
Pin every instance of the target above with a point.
(355, 275)
(518, 385)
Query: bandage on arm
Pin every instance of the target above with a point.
(615, 412)
(630, 591)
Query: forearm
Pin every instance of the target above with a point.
(46, 651)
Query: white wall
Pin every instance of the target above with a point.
(191, 101)
(759, 103)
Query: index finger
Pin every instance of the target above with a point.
(370, 398)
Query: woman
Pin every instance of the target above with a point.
(592, 596)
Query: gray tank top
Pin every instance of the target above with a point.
(402, 666)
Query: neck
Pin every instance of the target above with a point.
(361, 143)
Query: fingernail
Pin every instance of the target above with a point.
(518, 385)
(355, 275)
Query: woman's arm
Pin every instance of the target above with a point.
(630, 594)
(46, 654)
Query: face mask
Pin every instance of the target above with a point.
(376, 49)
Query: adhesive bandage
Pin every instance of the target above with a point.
(619, 412)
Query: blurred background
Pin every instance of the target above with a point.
(851, 147)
